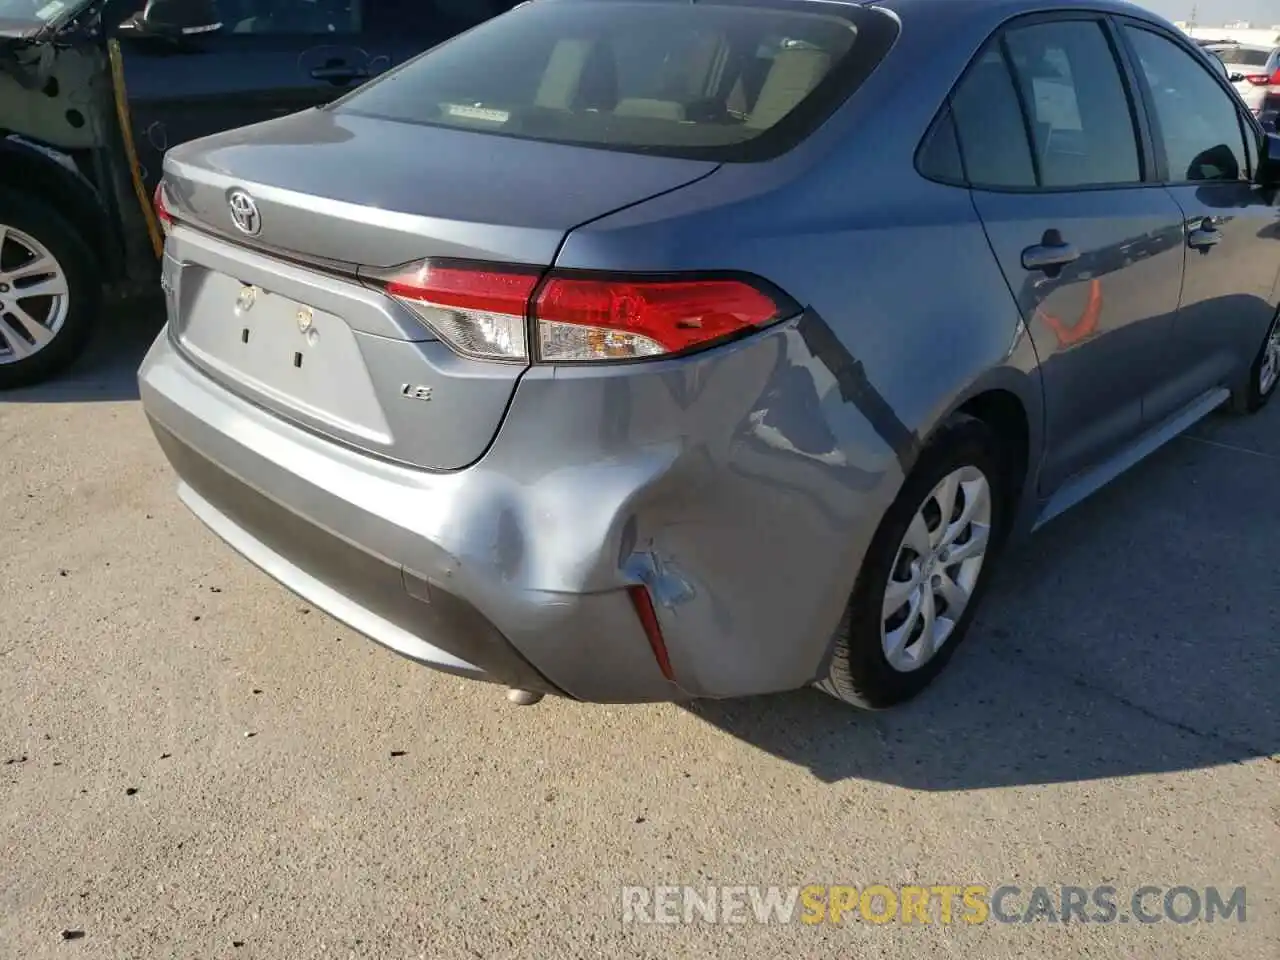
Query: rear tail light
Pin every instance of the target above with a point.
(478, 312)
(163, 213)
(1264, 79)
(483, 311)
(582, 319)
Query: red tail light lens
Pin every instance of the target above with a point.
(483, 311)
(163, 213)
(1263, 79)
(588, 319)
(478, 312)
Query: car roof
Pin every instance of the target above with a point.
(998, 11)
(940, 14)
(1264, 48)
(1006, 7)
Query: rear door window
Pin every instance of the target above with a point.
(988, 117)
(1198, 122)
(1082, 123)
(720, 81)
(1045, 105)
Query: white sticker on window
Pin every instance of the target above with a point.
(477, 113)
(1056, 104)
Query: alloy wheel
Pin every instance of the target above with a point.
(937, 568)
(1269, 370)
(34, 295)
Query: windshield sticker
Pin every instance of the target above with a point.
(477, 113)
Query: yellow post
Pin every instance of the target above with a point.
(126, 132)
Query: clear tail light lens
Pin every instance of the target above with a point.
(484, 311)
(478, 312)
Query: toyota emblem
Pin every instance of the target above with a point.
(244, 213)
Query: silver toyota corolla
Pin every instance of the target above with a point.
(652, 350)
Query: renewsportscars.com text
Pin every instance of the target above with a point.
(943, 904)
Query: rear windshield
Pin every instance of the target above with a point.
(1243, 56)
(725, 80)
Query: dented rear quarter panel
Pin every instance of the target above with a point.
(803, 436)
(768, 464)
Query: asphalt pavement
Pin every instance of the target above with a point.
(195, 764)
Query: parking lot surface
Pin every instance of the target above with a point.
(198, 765)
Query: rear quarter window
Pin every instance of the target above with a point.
(721, 81)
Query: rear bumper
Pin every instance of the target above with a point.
(717, 481)
(364, 591)
(365, 541)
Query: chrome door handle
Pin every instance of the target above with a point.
(1204, 237)
(1051, 254)
(1041, 257)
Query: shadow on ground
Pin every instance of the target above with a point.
(108, 368)
(1137, 634)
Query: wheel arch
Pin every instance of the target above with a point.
(71, 195)
(1010, 401)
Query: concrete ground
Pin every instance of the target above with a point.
(196, 765)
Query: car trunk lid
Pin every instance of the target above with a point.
(359, 190)
(286, 313)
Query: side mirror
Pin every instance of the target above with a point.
(1269, 164)
(173, 19)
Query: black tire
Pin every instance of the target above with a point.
(43, 223)
(1249, 397)
(859, 673)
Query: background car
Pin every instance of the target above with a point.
(665, 350)
(1255, 73)
(92, 93)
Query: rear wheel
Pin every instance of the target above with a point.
(49, 291)
(1264, 374)
(927, 566)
